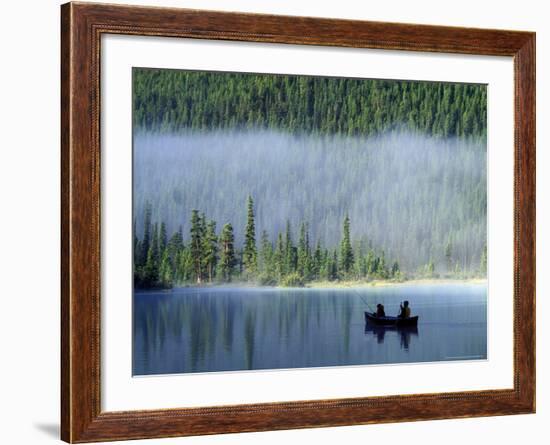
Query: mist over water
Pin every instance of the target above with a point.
(405, 193)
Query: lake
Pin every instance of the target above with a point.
(204, 329)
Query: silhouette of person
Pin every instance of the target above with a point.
(405, 310)
(380, 310)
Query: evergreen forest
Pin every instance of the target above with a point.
(175, 100)
(287, 180)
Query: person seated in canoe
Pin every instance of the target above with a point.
(380, 310)
(405, 310)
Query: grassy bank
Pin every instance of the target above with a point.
(385, 283)
(348, 283)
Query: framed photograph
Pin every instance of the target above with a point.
(274, 222)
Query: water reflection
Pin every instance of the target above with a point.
(229, 329)
(404, 333)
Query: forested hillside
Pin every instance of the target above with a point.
(404, 163)
(172, 100)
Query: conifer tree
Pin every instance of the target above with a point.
(395, 269)
(371, 266)
(266, 256)
(333, 268)
(165, 271)
(324, 269)
(196, 246)
(146, 243)
(382, 269)
(227, 253)
(186, 265)
(163, 238)
(346, 251)
(290, 251)
(317, 261)
(150, 272)
(174, 246)
(155, 244)
(279, 257)
(249, 251)
(210, 249)
(303, 252)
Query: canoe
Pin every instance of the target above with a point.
(380, 330)
(371, 318)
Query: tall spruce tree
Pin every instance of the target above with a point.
(146, 243)
(317, 261)
(155, 243)
(290, 251)
(266, 256)
(303, 252)
(210, 249)
(227, 253)
(165, 271)
(324, 271)
(250, 255)
(279, 257)
(196, 246)
(163, 237)
(346, 251)
(333, 269)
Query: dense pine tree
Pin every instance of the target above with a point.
(210, 249)
(290, 251)
(267, 261)
(162, 237)
(197, 234)
(227, 253)
(346, 251)
(279, 257)
(146, 241)
(303, 264)
(249, 251)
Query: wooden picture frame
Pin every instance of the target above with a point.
(82, 25)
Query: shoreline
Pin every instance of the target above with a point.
(387, 283)
(334, 284)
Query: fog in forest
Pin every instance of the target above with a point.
(405, 194)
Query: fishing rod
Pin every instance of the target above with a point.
(364, 301)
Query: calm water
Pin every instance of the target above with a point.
(227, 329)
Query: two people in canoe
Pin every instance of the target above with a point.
(404, 310)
